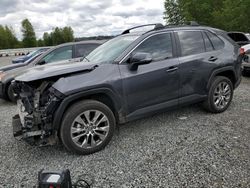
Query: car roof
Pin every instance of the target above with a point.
(82, 42)
(177, 28)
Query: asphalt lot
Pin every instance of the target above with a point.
(187, 147)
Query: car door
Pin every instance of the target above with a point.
(198, 58)
(155, 84)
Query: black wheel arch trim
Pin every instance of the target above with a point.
(221, 70)
(66, 102)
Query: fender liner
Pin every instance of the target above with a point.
(221, 70)
(72, 98)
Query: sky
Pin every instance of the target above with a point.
(86, 17)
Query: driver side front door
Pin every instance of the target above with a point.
(155, 86)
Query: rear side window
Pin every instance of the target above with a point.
(82, 50)
(208, 45)
(217, 42)
(238, 37)
(159, 46)
(191, 42)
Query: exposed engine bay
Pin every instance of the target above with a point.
(37, 102)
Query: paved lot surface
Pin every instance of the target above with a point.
(182, 148)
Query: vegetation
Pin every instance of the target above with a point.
(229, 15)
(8, 39)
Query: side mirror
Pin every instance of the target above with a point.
(41, 62)
(139, 58)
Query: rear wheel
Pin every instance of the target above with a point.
(87, 127)
(220, 95)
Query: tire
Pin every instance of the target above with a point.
(10, 94)
(245, 73)
(214, 95)
(101, 123)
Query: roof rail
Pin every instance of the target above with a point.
(157, 26)
(192, 23)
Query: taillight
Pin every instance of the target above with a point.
(242, 51)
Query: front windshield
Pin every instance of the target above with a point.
(111, 50)
(33, 53)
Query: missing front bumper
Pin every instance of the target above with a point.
(32, 137)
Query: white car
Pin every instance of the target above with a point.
(246, 60)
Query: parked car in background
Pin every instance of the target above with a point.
(248, 35)
(132, 76)
(246, 61)
(68, 51)
(22, 59)
(240, 38)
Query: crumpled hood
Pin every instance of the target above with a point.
(54, 69)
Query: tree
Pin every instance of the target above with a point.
(225, 14)
(7, 38)
(173, 14)
(29, 36)
(58, 36)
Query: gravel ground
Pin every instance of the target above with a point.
(183, 148)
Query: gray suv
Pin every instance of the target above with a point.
(132, 76)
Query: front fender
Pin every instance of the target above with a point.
(66, 102)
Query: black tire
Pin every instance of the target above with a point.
(245, 73)
(209, 104)
(69, 119)
(10, 94)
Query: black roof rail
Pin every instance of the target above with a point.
(192, 23)
(157, 26)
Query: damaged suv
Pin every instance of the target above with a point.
(134, 75)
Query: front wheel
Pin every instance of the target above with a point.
(87, 127)
(220, 95)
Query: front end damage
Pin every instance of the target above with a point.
(37, 103)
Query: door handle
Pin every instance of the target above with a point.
(172, 69)
(213, 59)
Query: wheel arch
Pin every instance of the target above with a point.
(104, 95)
(225, 71)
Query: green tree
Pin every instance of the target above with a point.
(40, 42)
(47, 39)
(225, 14)
(29, 36)
(173, 13)
(7, 38)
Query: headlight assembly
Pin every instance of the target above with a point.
(2, 74)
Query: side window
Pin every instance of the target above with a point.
(159, 46)
(59, 54)
(208, 44)
(191, 42)
(83, 50)
(217, 42)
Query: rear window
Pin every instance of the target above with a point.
(191, 42)
(238, 37)
(216, 41)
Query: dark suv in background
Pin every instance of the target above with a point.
(134, 75)
(67, 51)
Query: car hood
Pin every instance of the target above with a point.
(54, 69)
(13, 66)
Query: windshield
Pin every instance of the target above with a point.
(33, 53)
(110, 50)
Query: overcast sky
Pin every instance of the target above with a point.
(86, 17)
